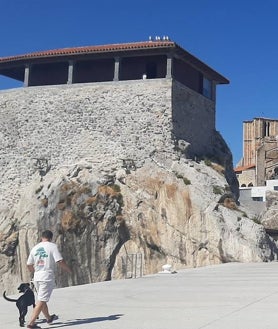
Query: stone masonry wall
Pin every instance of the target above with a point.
(98, 123)
(101, 123)
(193, 118)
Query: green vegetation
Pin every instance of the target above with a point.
(185, 180)
(217, 189)
(256, 220)
(207, 162)
(115, 188)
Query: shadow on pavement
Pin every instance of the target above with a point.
(77, 322)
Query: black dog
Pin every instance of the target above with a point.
(22, 303)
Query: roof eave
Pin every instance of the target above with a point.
(116, 49)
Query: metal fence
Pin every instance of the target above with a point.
(132, 265)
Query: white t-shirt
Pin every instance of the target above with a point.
(44, 257)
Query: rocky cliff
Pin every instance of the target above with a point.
(107, 167)
(269, 217)
(164, 212)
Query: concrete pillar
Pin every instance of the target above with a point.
(70, 72)
(117, 69)
(27, 75)
(169, 66)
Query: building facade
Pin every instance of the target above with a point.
(260, 152)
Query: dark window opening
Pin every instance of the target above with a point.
(151, 70)
(257, 198)
(188, 75)
(265, 129)
(48, 74)
(207, 88)
(94, 71)
(144, 67)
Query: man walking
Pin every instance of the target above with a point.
(42, 261)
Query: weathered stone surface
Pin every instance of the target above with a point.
(269, 218)
(167, 213)
(114, 180)
(86, 218)
(183, 224)
(105, 124)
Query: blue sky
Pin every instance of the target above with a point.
(236, 38)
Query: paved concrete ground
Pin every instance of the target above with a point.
(228, 296)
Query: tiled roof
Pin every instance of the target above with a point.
(20, 60)
(92, 49)
(242, 168)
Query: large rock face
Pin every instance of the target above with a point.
(177, 219)
(269, 217)
(165, 212)
(106, 167)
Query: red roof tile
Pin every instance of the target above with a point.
(10, 61)
(242, 168)
(92, 49)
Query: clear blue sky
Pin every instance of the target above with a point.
(236, 38)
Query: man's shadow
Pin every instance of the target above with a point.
(76, 322)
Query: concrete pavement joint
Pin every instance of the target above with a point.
(238, 310)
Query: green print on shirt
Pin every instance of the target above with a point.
(42, 254)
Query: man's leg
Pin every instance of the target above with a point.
(36, 312)
(44, 290)
(45, 293)
(46, 312)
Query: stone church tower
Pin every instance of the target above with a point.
(260, 152)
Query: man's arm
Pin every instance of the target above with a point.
(31, 268)
(64, 266)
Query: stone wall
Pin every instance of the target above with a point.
(76, 137)
(193, 119)
(101, 123)
(247, 177)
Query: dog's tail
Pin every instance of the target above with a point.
(7, 298)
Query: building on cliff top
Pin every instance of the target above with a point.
(115, 62)
(159, 72)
